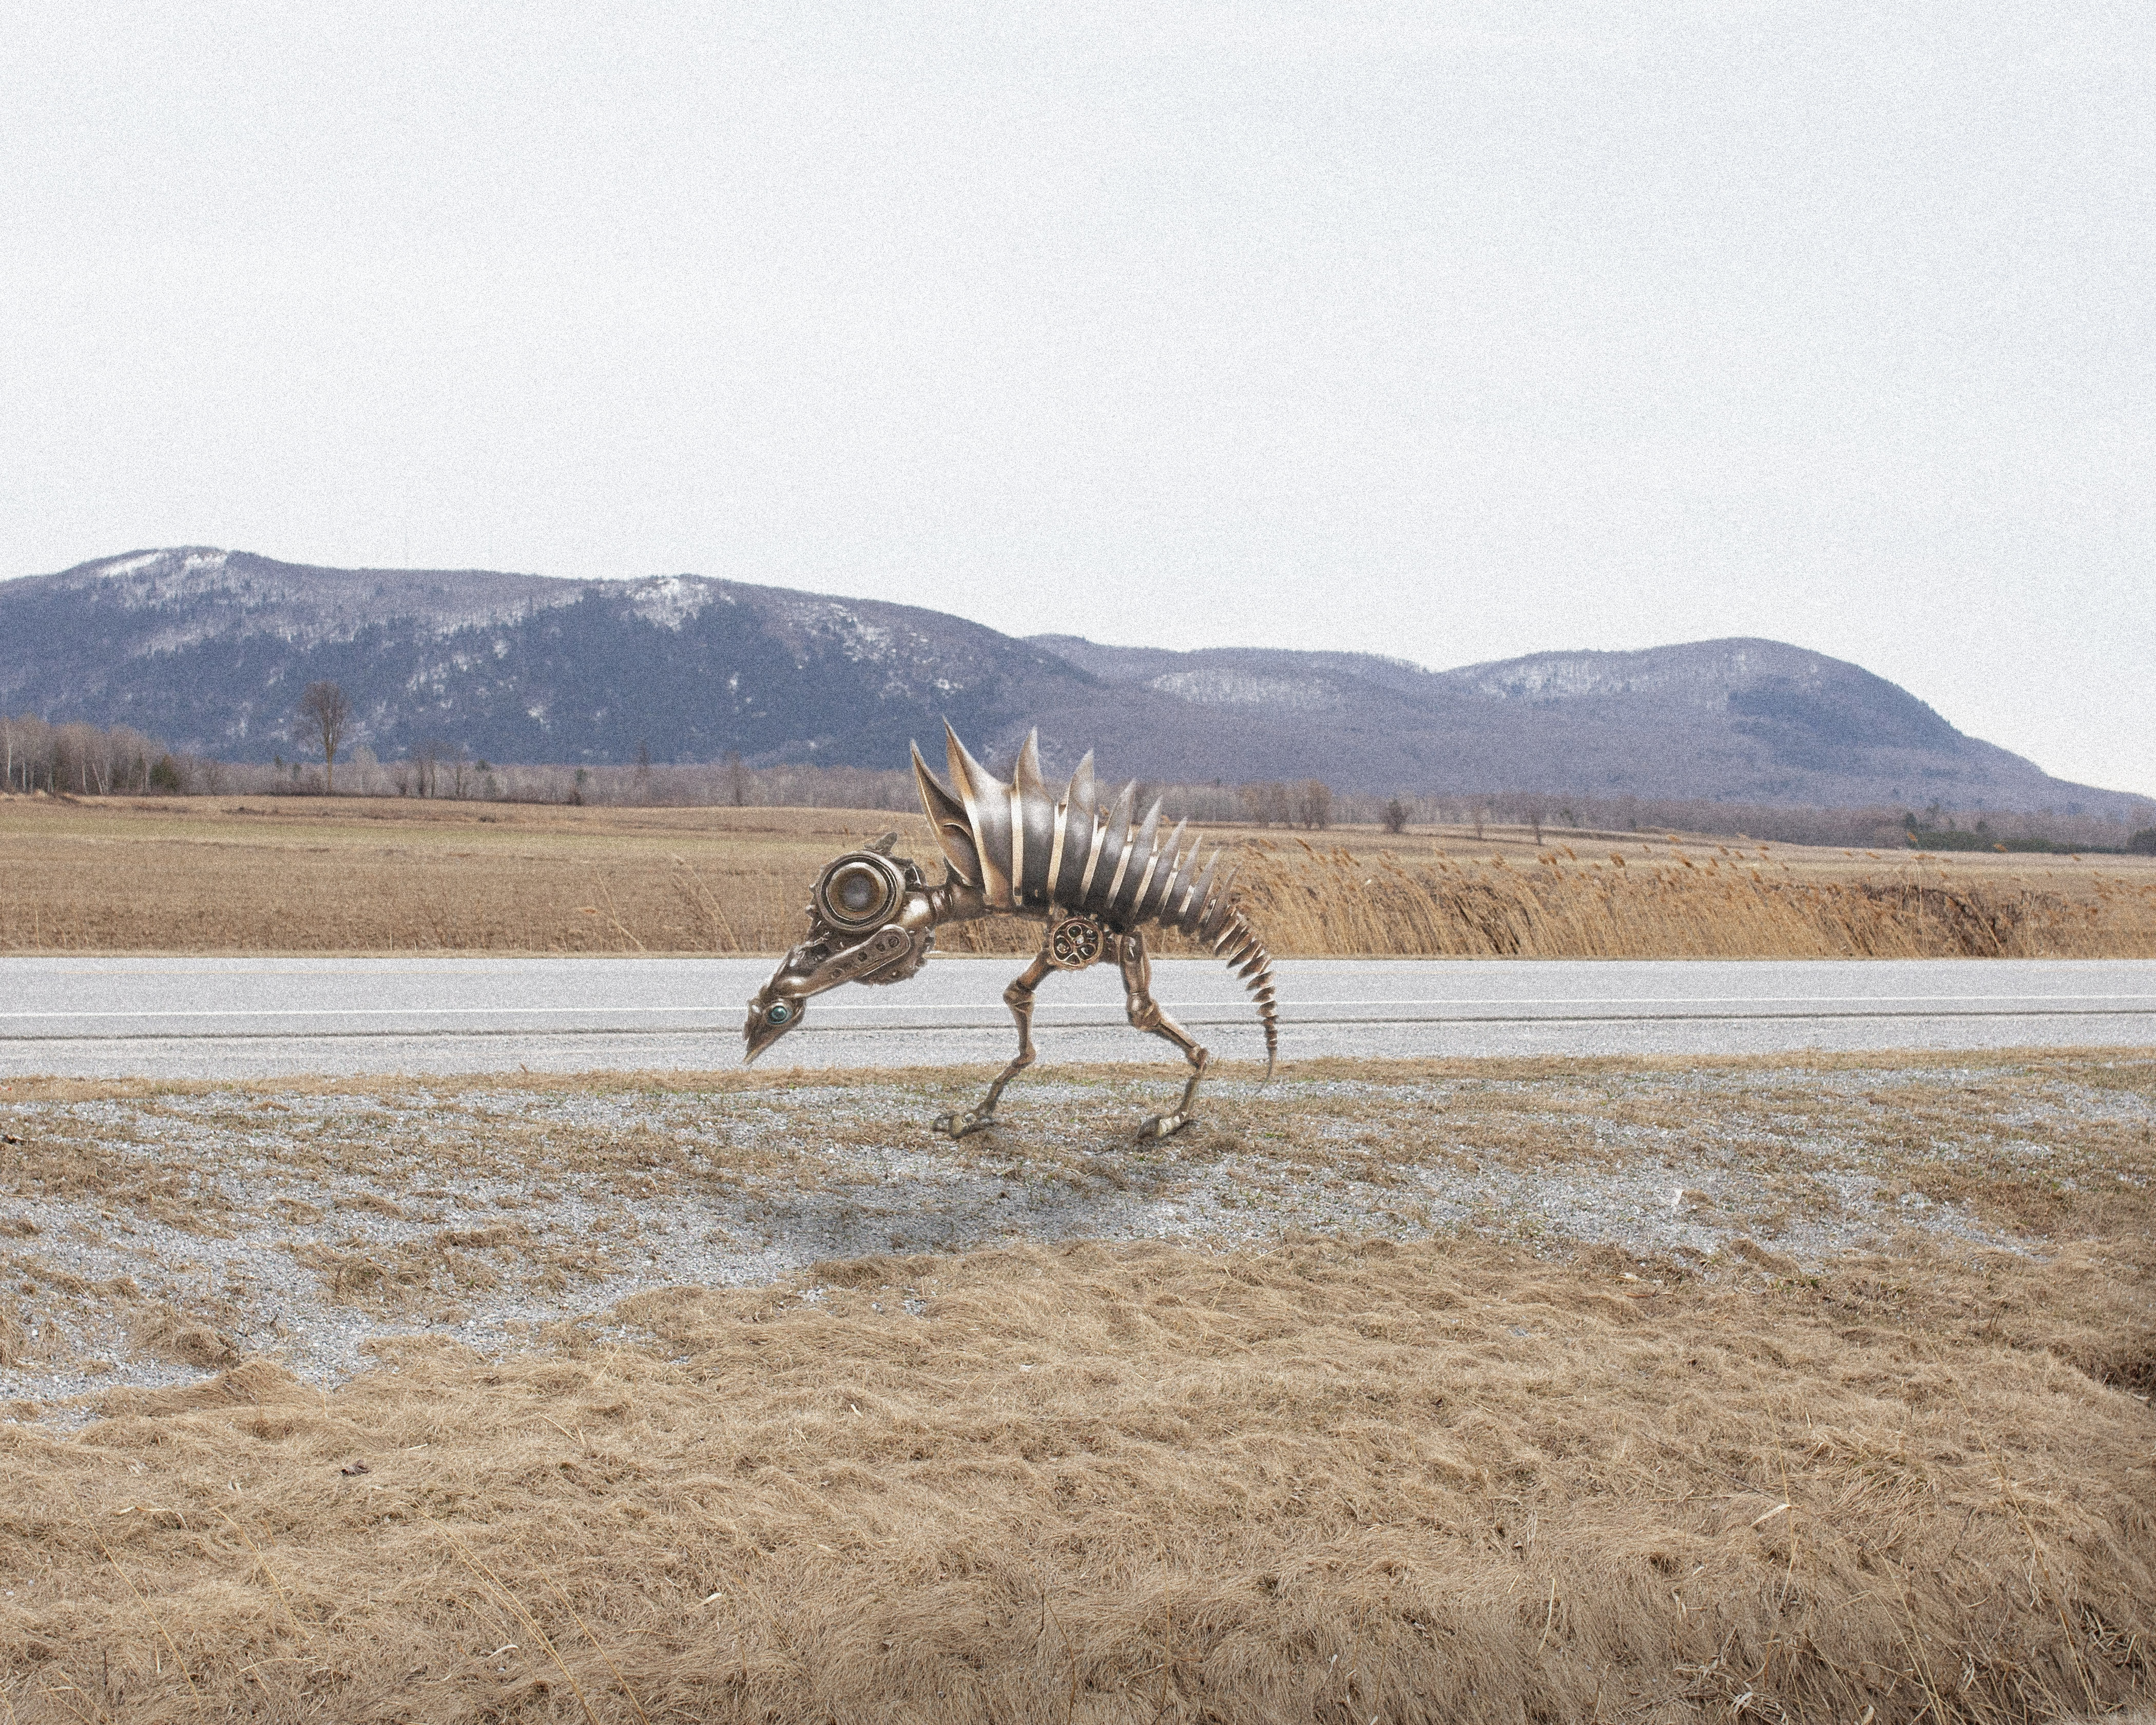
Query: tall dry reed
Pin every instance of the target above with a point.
(1333, 900)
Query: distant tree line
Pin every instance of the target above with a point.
(82, 760)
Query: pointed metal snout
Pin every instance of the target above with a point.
(770, 1017)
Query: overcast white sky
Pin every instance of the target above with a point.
(1451, 331)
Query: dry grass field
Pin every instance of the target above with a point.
(359, 876)
(1650, 1390)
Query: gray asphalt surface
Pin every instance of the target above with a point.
(251, 1018)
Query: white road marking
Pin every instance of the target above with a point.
(1886, 1006)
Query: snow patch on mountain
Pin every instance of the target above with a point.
(670, 600)
(1701, 673)
(1230, 688)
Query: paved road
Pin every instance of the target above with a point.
(240, 1018)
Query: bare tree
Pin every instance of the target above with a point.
(1267, 801)
(1313, 804)
(1396, 816)
(737, 778)
(324, 712)
(82, 752)
(131, 753)
(429, 756)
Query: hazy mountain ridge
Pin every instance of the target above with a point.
(209, 649)
(1740, 719)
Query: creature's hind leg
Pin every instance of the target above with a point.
(1019, 998)
(1146, 1014)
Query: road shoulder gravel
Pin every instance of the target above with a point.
(154, 1235)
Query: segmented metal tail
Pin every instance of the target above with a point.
(1233, 941)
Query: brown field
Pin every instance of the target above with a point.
(1850, 1423)
(359, 875)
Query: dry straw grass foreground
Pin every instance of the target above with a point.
(349, 875)
(1322, 1479)
(1324, 1482)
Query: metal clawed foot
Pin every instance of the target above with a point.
(1019, 998)
(1146, 1014)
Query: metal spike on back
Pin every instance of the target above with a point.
(1080, 794)
(1110, 832)
(1152, 888)
(1032, 827)
(1131, 865)
(948, 820)
(1074, 834)
(988, 807)
(1186, 913)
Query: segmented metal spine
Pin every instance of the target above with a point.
(1027, 851)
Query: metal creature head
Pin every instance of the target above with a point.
(871, 919)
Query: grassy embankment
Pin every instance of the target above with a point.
(294, 875)
(1399, 1476)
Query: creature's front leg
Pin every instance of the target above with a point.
(1145, 1013)
(1018, 997)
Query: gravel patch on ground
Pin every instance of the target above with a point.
(154, 1235)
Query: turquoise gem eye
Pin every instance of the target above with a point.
(778, 1015)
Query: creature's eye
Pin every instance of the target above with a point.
(778, 1015)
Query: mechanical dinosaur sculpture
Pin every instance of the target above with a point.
(1091, 876)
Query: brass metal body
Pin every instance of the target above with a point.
(1092, 877)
